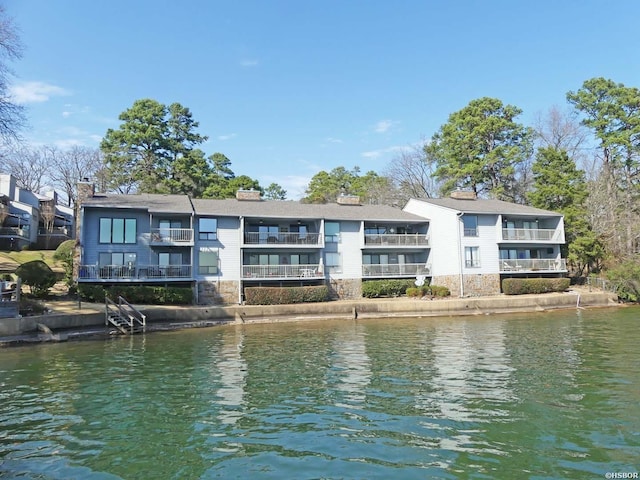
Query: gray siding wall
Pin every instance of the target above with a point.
(91, 248)
(228, 248)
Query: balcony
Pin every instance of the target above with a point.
(533, 265)
(134, 273)
(171, 236)
(395, 270)
(278, 272)
(18, 232)
(281, 238)
(530, 235)
(396, 240)
(55, 232)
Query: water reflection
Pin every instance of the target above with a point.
(553, 395)
(232, 376)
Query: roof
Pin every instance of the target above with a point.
(488, 206)
(146, 201)
(298, 210)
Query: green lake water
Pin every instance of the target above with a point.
(545, 395)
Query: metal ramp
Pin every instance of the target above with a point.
(124, 316)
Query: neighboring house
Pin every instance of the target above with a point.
(29, 219)
(222, 246)
(476, 243)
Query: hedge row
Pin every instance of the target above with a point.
(139, 294)
(434, 290)
(520, 286)
(283, 295)
(385, 288)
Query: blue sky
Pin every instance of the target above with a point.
(288, 88)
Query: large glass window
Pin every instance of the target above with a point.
(470, 225)
(331, 232)
(472, 257)
(118, 230)
(208, 228)
(117, 258)
(333, 262)
(208, 261)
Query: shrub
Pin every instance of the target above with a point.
(439, 291)
(424, 290)
(626, 278)
(64, 254)
(140, 294)
(385, 288)
(29, 306)
(38, 276)
(521, 286)
(285, 295)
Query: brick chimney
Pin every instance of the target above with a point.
(464, 195)
(348, 200)
(248, 195)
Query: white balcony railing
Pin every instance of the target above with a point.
(528, 234)
(395, 269)
(395, 240)
(281, 271)
(534, 265)
(171, 236)
(281, 238)
(55, 232)
(136, 272)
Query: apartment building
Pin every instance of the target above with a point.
(28, 219)
(220, 247)
(476, 243)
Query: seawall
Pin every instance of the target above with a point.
(164, 317)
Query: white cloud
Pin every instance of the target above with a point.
(35, 92)
(333, 140)
(227, 136)
(383, 151)
(384, 126)
(249, 63)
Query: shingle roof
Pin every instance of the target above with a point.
(146, 201)
(292, 209)
(487, 206)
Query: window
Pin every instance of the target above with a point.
(472, 257)
(331, 232)
(208, 228)
(470, 225)
(333, 262)
(166, 259)
(117, 230)
(208, 261)
(117, 258)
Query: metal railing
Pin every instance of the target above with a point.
(531, 234)
(402, 240)
(534, 265)
(395, 269)
(170, 236)
(282, 238)
(124, 316)
(139, 272)
(281, 271)
(22, 232)
(55, 232)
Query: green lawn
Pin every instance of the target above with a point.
(29, 255)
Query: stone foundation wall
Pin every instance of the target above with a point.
(346, 289)
(474, 284)
(216, 293)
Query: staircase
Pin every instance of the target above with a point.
(124, 316)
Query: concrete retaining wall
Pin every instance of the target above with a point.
(361, 308)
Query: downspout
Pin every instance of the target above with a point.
(240, 283)
(460, 254)
(193, 267)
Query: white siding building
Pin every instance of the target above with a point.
(476, 243)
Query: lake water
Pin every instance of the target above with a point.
(546, 395)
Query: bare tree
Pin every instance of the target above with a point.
(412, 173)
(73, 165)
(30, 167)
(12, 117)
